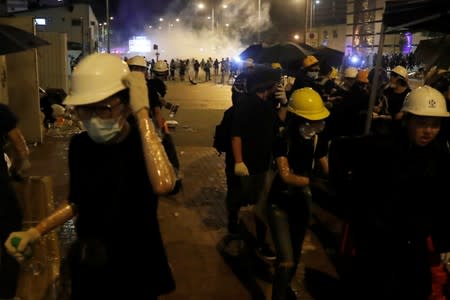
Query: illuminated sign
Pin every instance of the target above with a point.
(40, 21)
(139, 44)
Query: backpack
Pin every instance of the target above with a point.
(222, 133)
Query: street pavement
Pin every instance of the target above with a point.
(194, 221)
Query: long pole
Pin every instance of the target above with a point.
(108, 31)
(212, 19)
(259, 21)
(306, 18)
(374, 88)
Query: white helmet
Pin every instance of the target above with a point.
(96, 77)
(137, 61)
(425, 101)
(350, 72)
(401, 71)
(160, 67)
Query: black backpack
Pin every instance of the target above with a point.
(222, 133)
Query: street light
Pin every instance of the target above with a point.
(259, 21)
(108, 33)
(202, 6)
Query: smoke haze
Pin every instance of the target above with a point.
(192, 36)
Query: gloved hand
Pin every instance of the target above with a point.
(240, 169)
(289, 83)
(18, 242)
(280, 94)
(135, 81)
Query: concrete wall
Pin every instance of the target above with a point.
(53, 61)
(78, 21)
(22, 82)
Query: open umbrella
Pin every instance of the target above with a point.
(13, 39)
(283, 53)
(329, 56)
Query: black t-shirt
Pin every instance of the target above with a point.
(117, 206)
(394, 100)
(397, 187)
(254, 122)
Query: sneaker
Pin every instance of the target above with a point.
(231, 245)
(265, 252)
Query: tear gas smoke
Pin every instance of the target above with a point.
(189, 33)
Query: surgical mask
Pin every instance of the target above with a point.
(307, 130)
(102, 130)
(313, 75)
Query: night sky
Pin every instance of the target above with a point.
(131, 16)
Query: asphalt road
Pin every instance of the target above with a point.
(201, 108)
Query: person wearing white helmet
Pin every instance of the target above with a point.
(138, 63)
(118, 167)
(156, 91)
(396, 91)
(397, 202)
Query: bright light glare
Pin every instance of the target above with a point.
(139, 44)
(201, 5)
(296, 36)
(237, 59)
(354, 59)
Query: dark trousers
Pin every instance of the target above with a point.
(241, 191)
(10, 220)
(288, 224)
(389, 265)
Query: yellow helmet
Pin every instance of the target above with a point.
(333, 73)
(276, 65)
(309, 61)
(307, 103)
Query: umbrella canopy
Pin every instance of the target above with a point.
(434, 52)
(13, 39)
(329, 56)
(283, 53)
(252, 52)
(289, 53)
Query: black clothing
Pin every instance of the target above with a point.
(303, 80)
(394, 100)
(10, 213)
(300, 154)
(348, 115)
(254, 122)
(398, 197)
(117, 220)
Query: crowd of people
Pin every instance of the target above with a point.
(286, 130)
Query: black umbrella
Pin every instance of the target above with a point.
(13, 39)
(283, 53)
(252, 52)
(329, 56)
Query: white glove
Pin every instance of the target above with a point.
(240, 169)
(18, 243)
(280, 94)
(135, 81)
(289, 83)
